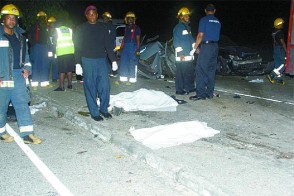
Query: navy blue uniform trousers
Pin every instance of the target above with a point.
(96, 83)
(185, 76)
(205, 70)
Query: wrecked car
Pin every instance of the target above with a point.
(157, 59)
(240, 60)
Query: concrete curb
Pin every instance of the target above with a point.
(196, 183)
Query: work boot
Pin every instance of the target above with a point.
(272, 80)
(31, 139)
(281, 82)
(7, 138)
(106, 115)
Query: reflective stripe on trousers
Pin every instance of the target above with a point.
(19, 96)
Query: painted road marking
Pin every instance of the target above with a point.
(47, 173)
(252, 96)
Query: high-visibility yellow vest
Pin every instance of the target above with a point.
(64, 43)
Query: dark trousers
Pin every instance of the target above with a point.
(205, 70)
(96, 84)
(40, 67)
(185, 76)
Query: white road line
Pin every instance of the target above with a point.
(252, 96)
(47, 173)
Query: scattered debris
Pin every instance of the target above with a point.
(256, 81)
(180, 101)
(84, 113)
(237, 96)
(81, 152)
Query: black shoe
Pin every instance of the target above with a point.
(182, 93)
(196, 98)
(69, 86)
(54, 80)
(59, 89)
(106, 115)
(97, 118)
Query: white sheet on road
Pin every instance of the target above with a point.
(173, 134)
(143, 100)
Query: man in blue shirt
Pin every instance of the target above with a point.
(208, 37)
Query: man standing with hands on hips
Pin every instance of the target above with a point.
(208, 36)
(92, 46)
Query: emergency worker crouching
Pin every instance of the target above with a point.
(15, 68)
(130, 50)
(279, 45)
(183, 42)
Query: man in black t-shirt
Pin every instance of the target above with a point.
(93, 46)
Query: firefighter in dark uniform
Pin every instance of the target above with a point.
(130, 50)
(279, 45)
(208, 36)
(183, 43)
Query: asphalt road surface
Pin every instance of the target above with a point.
(83, 164)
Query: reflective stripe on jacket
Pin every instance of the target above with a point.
(6, 54)
(64, 43)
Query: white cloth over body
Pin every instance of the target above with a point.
(143, 100)
(173, 134)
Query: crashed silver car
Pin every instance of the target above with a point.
(157, 59)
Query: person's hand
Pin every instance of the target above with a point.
(79, 69)
(182, 57)
(114, 66)
(197, 50)
(138, 53)
(0, 83)
(25, 73)
(50, 54)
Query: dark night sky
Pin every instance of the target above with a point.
(246, 22)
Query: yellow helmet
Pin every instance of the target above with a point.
(41, 13)
(278, 23)
(130, 14)
(183, 12)
(107, 14)
(10, 9)
(51, 20)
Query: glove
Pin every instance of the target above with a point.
(79, 70)
(114, 66)
(192, 52)
(50, 54)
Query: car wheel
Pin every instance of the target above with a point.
(222, 66)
